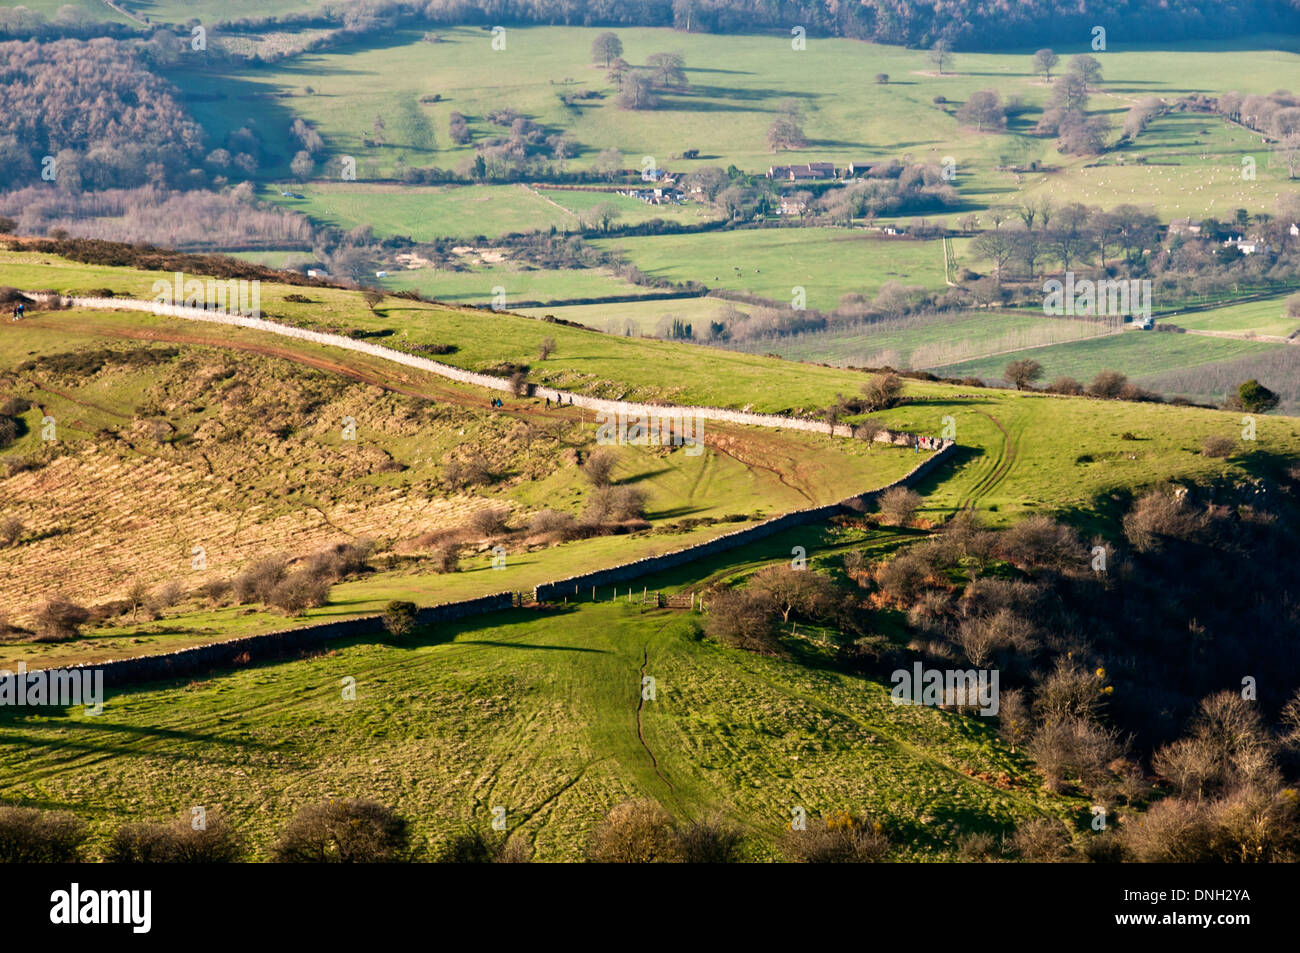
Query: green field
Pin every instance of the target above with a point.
(481, 285)
(1136, 353)
(640, 317)
(827, 262)
(443, 731)
(924, 341)
(1267, 317)
(736, 82)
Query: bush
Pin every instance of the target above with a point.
(555, 525)
(1041, 542)
(459, 474)
(1159, 515)
(1218, 445)
(1043, 840)
(742, 620)
(634, 832)
(598, 467)
(166, 596)
(342, 560)
(258, 582)
(177, 842)
(344, 832)
(709, 841)
(898, 505)
(1255, 398)
(446, 557)
(615, 503)
(1065, 385)
(882, 391)
(399, 618)
(490, 521)
(11, 530)
(300, 591)
(59, 620)
(473, 847)
(31, 836)
(839, 839)
(215, 590)
(1108, 384)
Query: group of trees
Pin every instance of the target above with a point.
(1276, 115)
(1075, 235)
(93, 107)
(1066, 115)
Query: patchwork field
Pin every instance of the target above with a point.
(736, 82)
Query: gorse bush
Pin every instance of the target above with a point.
(31, 836)
(177, 842)
(344, 832)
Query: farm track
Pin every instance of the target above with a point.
(1002, 465)
(640, 704)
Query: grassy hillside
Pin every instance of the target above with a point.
(443, 731)
(736, 82)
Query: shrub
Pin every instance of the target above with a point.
(882, 391)
(299, 591)
(1218, 445)
(446, 557)
(490, 521)
(1255, 398)
(342, 559)
(344, 832)
(258, 582)
(616, 503)
(898, 505)
(459, 474)
(598, 467)
(166, 596)
(473, 847)
(31, 836)
(399, 618)
(1044, 840)
(1108, 384)
(216, 590)
(1171, 831)
(554, 524)
(634, 832)
(11, 530)
(709, 841)
(545, 349)
(1041, 542)
(838, 839)
(59, 620)
(1158, 515)
(1065, 385)
(177, 842)
(742, 620)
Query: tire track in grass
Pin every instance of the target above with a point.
(1002, 464)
